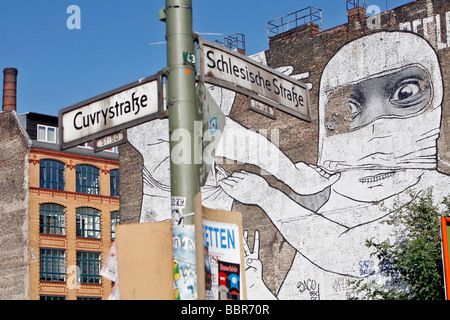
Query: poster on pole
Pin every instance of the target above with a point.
(221, 243)
(220, 253)
(184, 263)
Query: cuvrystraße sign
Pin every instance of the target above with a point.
(111, 112)
(231, 70)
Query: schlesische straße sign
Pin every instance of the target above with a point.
(227, 68)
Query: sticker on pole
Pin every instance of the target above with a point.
(185, 271)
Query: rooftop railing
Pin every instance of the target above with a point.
(309, 15)
(234, 41)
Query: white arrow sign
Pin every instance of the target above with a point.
(213, 124)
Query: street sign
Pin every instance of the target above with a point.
(189, 58)
(268, 111)
(110, 141)
(213, 124)
(111, 112)
(234, 71)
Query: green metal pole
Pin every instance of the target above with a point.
(184, 141)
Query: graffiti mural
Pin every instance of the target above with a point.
(380, 104)
(151, 140)
(425, 26)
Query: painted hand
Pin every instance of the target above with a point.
(310, 179)
(242, 185)
(213, 196)
(257, 289)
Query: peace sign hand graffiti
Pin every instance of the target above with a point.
(253, 272)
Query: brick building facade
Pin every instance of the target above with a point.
(15, 220)
(88, 243)
(58, 211)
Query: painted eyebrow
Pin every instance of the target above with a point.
(411, 73)
(405, 79)
(356, 95)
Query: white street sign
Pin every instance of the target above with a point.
(111, 112)
(234, 71)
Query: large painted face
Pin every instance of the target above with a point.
(400, 93)
(379, 111)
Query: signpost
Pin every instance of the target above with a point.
(183, 114)
(111, 112)
(234, 71)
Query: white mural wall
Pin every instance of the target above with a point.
(380, 104)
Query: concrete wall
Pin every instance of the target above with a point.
(14, 218)
(380, 130)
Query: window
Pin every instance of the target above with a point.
(87, 179)
(89, 145)
(46, 133)
(114, 182)
(52, 219)
(115, 219)
(46, 297)
(90, 265)
(113, 149)
(51, 174)
(53, 265)
(88, 223)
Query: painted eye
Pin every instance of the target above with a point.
(408, 93)
(355, 109)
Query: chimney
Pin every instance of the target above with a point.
(9, 89)
(356, 14)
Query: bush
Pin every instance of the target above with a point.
(412, 257)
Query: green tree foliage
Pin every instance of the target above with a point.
(412, 257)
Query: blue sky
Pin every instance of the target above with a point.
(59, 67)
